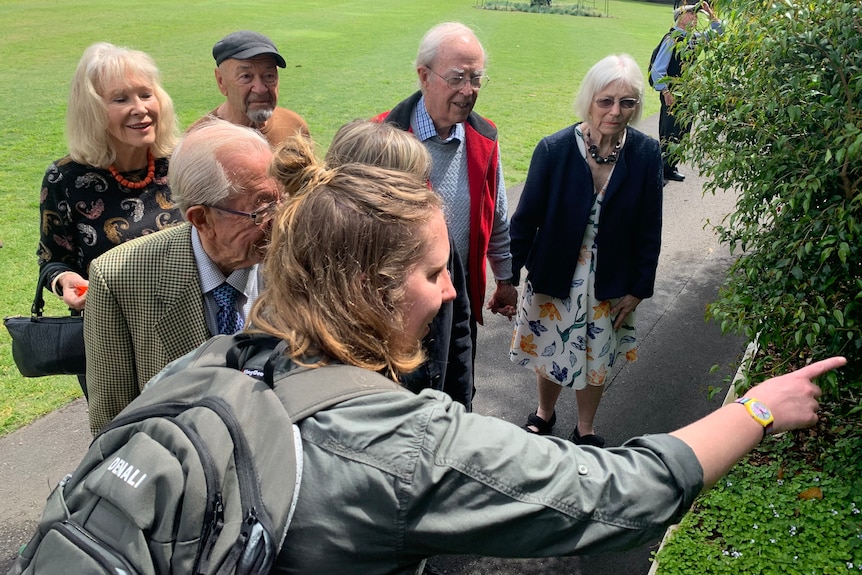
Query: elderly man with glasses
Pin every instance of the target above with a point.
(162, 295)
(466, 170)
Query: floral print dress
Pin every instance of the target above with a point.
(572, 341)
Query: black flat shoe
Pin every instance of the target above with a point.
(542, 427)
(674, 176)
(591, 439)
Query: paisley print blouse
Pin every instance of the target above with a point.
(85, 212)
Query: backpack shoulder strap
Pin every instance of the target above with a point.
(302, 390)
(230, 350)
(305, 391)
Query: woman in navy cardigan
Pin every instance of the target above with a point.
(588, 229)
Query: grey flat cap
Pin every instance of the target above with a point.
(243, 45)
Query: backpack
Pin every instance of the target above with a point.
(653, 55)
(200, 473)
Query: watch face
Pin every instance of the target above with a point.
(760, 410)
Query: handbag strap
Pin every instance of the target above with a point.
(38, 301)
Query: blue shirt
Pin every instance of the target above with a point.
(662, 57)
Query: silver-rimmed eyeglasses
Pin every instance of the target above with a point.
(258, 217)
(457, 82)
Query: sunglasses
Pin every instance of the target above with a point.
(625, 103)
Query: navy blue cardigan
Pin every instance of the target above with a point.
(547, 229)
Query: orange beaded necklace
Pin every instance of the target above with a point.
(151, 172)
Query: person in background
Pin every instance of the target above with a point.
(466, 170)
(246, 72)
(448, 347)
(394, 477)
(588, 229)
(156, 298)
(668, 64)
(113, 186)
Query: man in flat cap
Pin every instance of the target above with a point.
(246, 71)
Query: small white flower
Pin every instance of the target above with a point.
(755, 526)
(772, 540)
(834, 512)
(780, 482)
(736, 554)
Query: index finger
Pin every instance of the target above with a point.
(818, 368)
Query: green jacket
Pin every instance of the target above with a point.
(393, 478)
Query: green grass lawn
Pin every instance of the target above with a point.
(346, 59)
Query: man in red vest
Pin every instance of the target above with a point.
(466, 169)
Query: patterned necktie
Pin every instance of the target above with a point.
(229, 320)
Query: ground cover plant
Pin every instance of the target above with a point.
(778, 105)
(775, 513)
(346, 59)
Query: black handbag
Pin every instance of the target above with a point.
(47, 345)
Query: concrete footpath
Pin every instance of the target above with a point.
(666, 388)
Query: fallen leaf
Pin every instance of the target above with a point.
(811, 493)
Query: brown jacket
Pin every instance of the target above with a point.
(282, 124)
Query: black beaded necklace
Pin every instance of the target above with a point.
(594, 151)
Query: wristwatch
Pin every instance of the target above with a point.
(759, 412)
(508, 281)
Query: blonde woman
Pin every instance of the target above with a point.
(112, 186)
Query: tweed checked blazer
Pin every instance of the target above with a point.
(144, 309)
